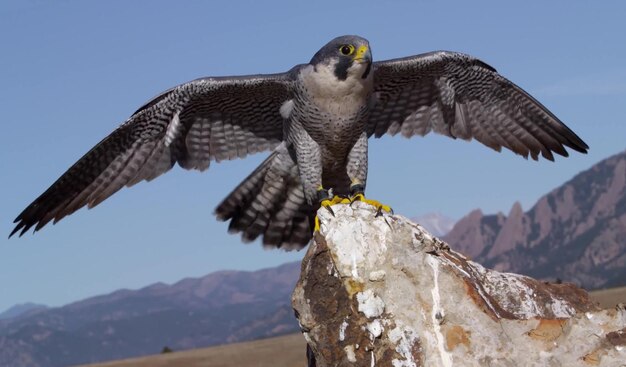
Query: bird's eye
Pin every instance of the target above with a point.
(346, 49)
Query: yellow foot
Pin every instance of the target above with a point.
(317, 224)
(327, 203)
(340, 200)
(380, 207)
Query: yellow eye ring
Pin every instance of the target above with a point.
(346, 50)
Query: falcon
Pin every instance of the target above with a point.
(316, 120)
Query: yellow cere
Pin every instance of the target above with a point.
(360, 52)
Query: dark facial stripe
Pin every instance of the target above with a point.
(341, 68)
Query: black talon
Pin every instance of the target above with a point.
(385, 218)
(330, 210)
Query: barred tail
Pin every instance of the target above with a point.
(270, 203)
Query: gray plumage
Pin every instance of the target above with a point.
(316, 119)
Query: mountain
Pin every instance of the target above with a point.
(222, 307)
(576, 233)
(21, 309)
(435, 223)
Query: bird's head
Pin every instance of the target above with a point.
(347, 56)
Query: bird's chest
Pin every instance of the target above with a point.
(333, 112)
(334, 124)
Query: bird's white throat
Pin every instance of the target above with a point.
(332, 94)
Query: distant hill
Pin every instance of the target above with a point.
(576, 233)
(222, 307)
(435, 223)
(21, 309)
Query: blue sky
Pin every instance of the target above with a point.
(71, 71)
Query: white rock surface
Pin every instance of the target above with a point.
(381, 291)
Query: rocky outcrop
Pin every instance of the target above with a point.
(576, 233)
(381, 291)
(474, 234)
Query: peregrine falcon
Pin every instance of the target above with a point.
(316, 120)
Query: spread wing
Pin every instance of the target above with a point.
(459, 96)
(192, 124)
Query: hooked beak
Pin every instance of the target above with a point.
(363, 54)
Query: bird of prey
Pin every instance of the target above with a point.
(316, 120)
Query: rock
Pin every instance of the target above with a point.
(381, 291)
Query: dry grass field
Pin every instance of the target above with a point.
(610, 297)
(284, 351)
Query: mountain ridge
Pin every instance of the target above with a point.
(21, 309)
(221, 307)
(576, 232)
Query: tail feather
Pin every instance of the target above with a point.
(293, 222)
(270, 203)
(255, 213)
